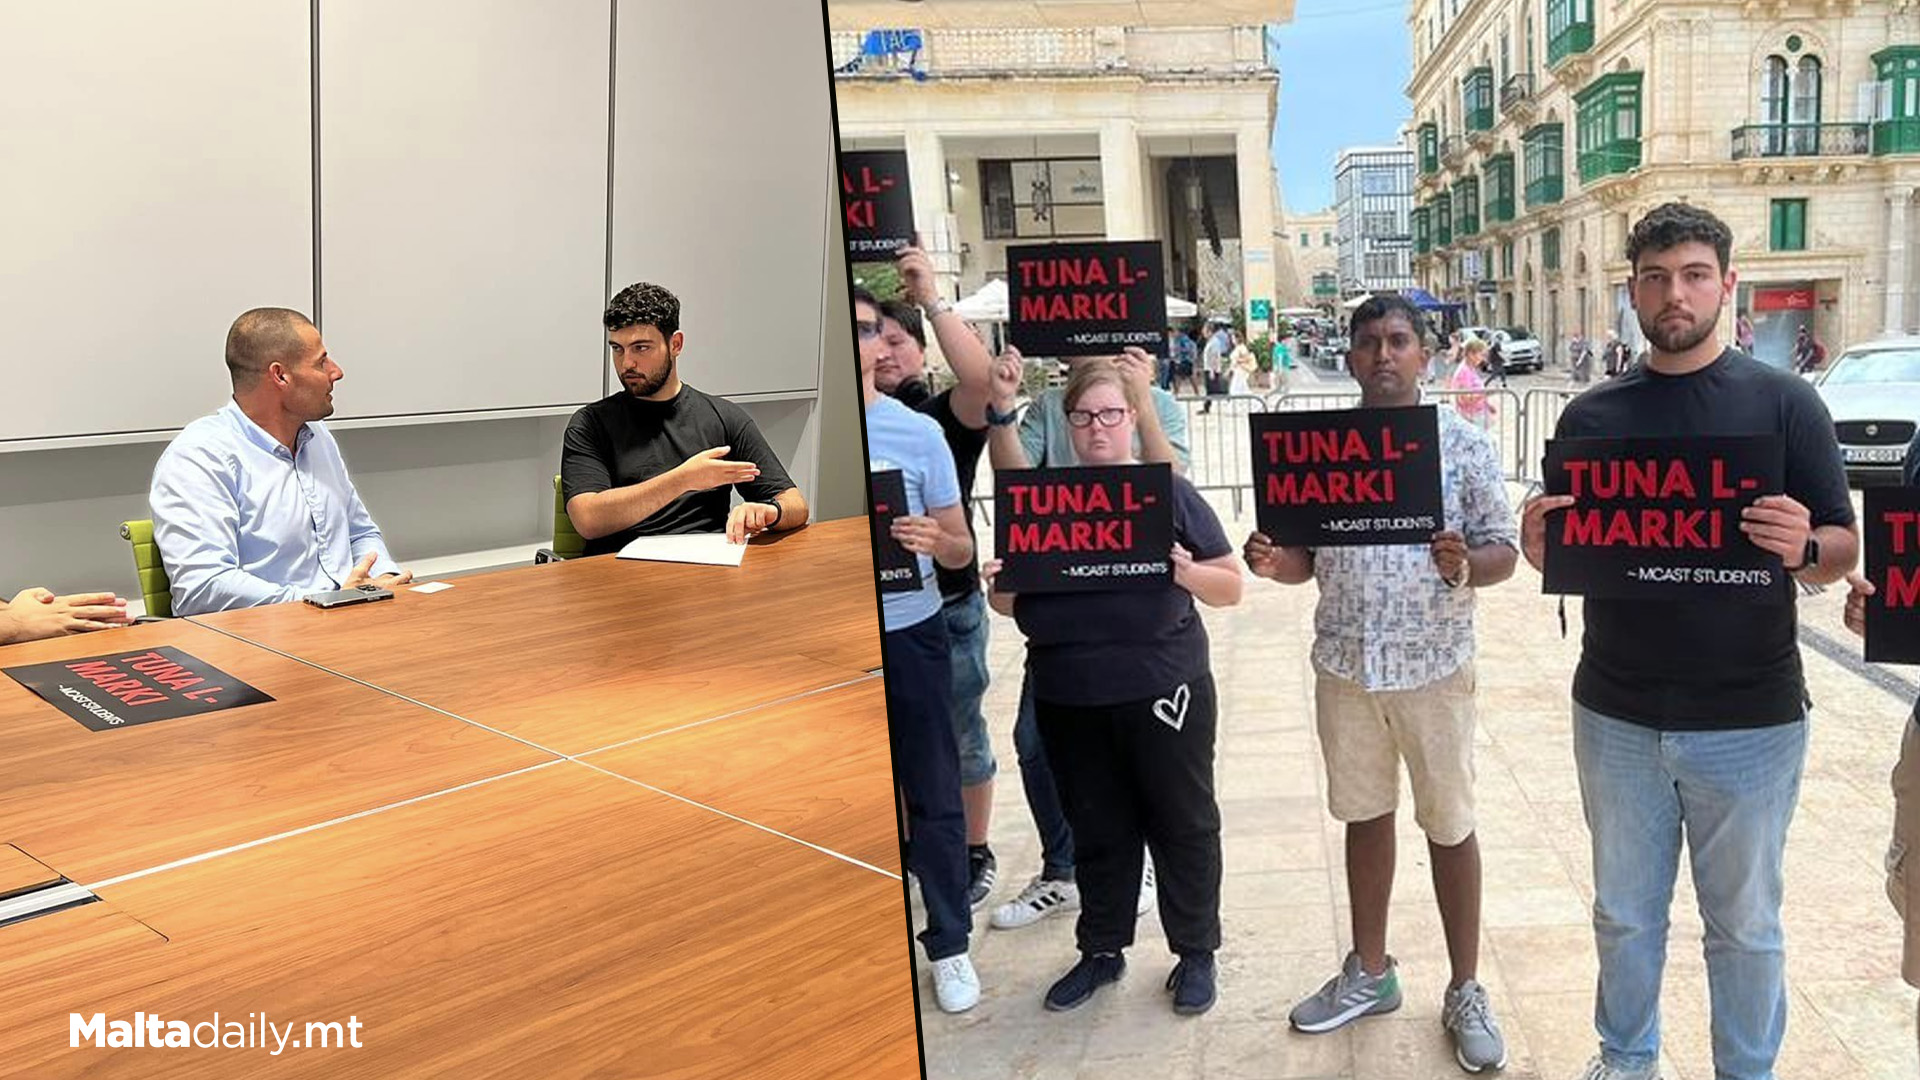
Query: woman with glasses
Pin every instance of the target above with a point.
(1126, 709)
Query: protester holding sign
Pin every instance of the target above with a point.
(38, 613)
(961, 412)
(1394, 681)
(1046, 439)
(1124, 701)
(926, 760)
(1727, 676)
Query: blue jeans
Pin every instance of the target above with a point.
(967, 638)
(1043, 798)
(1732, 794)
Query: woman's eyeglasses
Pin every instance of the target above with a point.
(867, 330)
(1087, 417)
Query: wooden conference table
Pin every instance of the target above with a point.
(595, 818)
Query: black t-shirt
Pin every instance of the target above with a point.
(622, 440)
(966, 444)
(1701, 665)
(1109, 648)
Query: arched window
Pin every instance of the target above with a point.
(1805, 114)
(1773, 104)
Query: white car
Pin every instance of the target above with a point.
(1518, 349)
(1873, 392)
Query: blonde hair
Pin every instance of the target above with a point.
(1474, 349)
(1090, 373)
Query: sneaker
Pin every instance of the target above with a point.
(1348, 996)
(1469, 1021)
(1149, 893)
(1042, 897)
(981, 867)
(956, 986)
(1598, 1069)
(1094, 971)
(1192, 984)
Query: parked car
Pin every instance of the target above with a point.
(1517, 347)
(1873, 392)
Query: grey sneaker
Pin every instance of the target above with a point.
(1469, 1021)
(1598, 1069)
(1348, 996)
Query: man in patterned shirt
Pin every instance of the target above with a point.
(1393, 660)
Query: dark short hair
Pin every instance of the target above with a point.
(644, 304)
(908, 317)
(1671, 224)
(261, 337)
(862, 296)
(1381, 306)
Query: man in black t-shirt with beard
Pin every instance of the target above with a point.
(1689, 716)
(659, 456)
(961, 412)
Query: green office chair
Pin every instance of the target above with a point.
(567, 543)
(155, 589)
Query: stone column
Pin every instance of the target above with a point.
(1123, 176)
(927, 172)
(1894, 319)
(1254, 170)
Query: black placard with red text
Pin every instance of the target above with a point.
(1083, 529)
(1090, 299)
(897, 568)
(118, 690)
(1891, 523)
(876, 203)
(1346, 477)
(1659, 519)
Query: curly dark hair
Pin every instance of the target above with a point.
(644, 304)
(1671, 224)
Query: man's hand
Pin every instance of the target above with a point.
(1262, 555)
(1449, 554)
(1137, 371)
(750, 519)
(1533, 526)
(362, 572)
(38, 613)
(709, 469)
(989, 572)
(1859, 588)
(918, 533)
(1779, 524)
(1006, 372)
(916, 276)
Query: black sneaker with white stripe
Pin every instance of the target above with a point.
(981, 867)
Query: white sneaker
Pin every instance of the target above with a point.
(1149, 892)
(1042, 897)
(956, 986)
(1598, 1069)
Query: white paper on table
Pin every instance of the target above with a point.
(433, 587)
(710, 549)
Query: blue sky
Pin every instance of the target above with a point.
(1344, 66)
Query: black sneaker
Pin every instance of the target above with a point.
(1192, 984)
(981, 866)
(1094, 971)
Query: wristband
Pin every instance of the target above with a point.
(996, 418)
(775, 503)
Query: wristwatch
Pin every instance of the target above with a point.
(1809, 555)
(937, 308)
(996, 418)
(775, 503)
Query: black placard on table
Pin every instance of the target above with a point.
(118, 690)
(876, 202)
(1086, 528)
(897, 568)
(1090, 299)
(1659, 519)
(1891, 522)
(1346, 477)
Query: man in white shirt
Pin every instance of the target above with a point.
(252, 505)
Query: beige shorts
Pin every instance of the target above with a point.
(1903, 855)
(1365, 735)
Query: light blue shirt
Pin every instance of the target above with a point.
(900, 438)
(1048, 440)
(242, 522)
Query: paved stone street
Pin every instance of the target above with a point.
(1284, 905)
